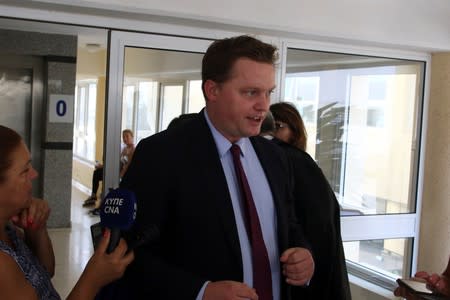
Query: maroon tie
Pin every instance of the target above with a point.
(262, 275)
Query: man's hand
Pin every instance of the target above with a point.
(228, 290)
(298, 266)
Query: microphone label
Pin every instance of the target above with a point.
(112, 205)
(114, 201)
(118, 209)
(111, 210)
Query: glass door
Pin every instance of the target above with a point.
(152, 79)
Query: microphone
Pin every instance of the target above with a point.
(118, 212)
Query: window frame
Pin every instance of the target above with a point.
(118, 41)
(369, 227)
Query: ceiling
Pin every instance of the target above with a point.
(86, 35)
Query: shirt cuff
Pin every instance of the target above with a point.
(202, 291)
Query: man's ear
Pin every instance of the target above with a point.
(211, 89)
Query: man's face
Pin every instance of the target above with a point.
(238, 106)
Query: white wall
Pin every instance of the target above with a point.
(405, 23)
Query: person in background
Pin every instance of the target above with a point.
(268, 126)
(97, 176)
(125, 157)
(437, 283)
(316, 206)
(187, 185)
(26, 253)
(180, 119)
(289, 125)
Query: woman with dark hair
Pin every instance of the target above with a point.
(26, 253)
(289, 125)
(316, 207)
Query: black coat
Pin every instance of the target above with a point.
(318, 212)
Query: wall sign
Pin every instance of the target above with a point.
(60, 109)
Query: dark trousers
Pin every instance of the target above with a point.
(96, 178)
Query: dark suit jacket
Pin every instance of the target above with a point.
(181, 188)
(318, 212)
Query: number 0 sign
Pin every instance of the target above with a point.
(60, 109)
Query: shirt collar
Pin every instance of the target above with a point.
(222, 144)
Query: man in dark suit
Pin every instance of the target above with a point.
(186, 185)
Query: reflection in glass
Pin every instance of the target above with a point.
(386, 257)
(361, 114)
(15, 100)
(128, 108)
(196, 99)
(172, 104)
(159, 85)
(85, 119)
(147, 108)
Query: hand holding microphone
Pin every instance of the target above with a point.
(101, 270)
(117, 215)
(111, 256)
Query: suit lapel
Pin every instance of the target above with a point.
(216, 186)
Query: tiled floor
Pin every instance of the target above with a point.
(72, 246)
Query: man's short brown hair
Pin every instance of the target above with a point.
(222, 54)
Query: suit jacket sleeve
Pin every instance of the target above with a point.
(151, 275)
(181, 188)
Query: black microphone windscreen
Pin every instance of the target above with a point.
(118, 209)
